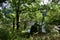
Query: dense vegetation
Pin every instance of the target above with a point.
(29, 20)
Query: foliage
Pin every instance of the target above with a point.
(4, 34)
(30, 11)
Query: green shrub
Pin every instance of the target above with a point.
(4, 34)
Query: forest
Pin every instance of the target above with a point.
(29, 19)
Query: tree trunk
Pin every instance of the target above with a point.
(13, 23)
(17, 14)
(17, 18)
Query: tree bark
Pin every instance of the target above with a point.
(17, 14)
(13, 23)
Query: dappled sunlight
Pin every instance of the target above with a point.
(29, 19)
